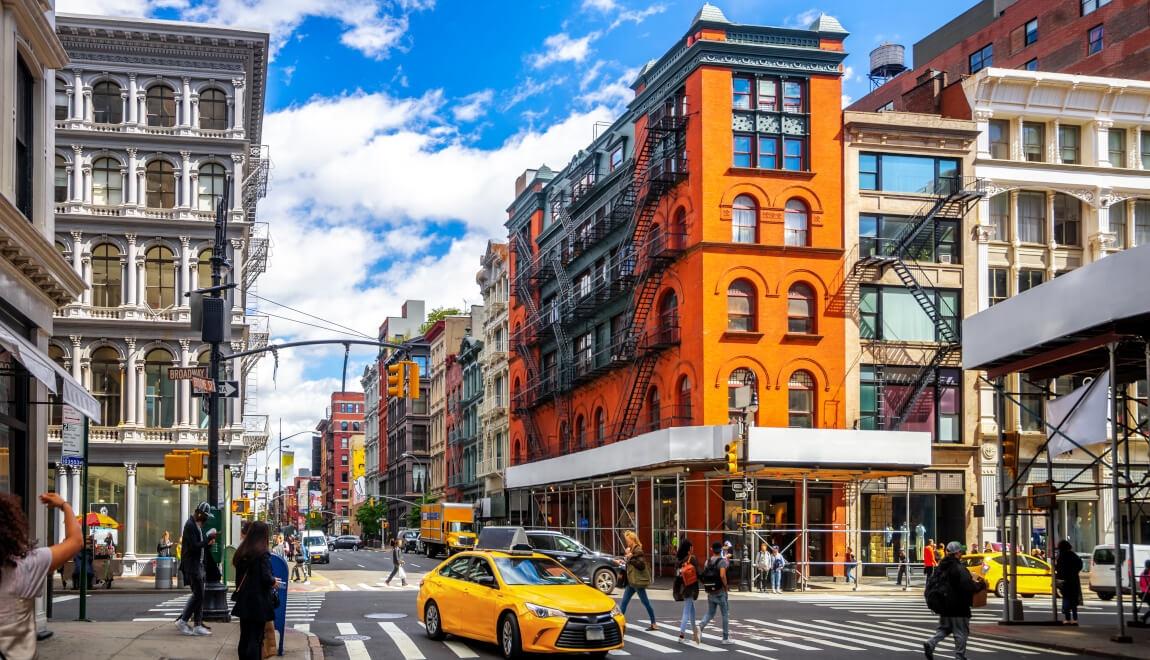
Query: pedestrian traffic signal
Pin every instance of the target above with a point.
(1010, 453)
(412, 379)
(732, 451)
(184, 466)
(395, 379)
(241, 506)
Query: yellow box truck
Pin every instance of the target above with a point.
(446, 527)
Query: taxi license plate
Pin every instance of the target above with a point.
(594, 633)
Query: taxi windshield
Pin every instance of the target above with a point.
(533, 571)
(460, 527)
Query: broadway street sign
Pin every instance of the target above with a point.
(187, 373)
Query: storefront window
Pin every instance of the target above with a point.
(13, 424)
(936, 512)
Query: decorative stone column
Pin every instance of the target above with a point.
(141, 394)
(184, 279)
(183, 387)
(238, 83)
(130, 502)
(185, 181)
(195, 123)
(141, 108)
(86, 273)
(133, 116)
(186, 103)
(62, 489)
(77, 110)
(132, 288)
(141, 282)
(86, 169)
(78, 252)
(1101, 143)
(237, 180)
(76, 357)
(982, 119)
(237, 271)
(133, 191)
(130, 383)
(74, 491)
(87, 107)
(983, 234)
(77, 174)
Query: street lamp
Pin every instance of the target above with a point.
(279, 475)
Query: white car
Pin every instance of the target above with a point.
(1102, 569)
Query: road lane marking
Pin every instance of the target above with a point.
(356, 650)
(152, 618)
(460, 649)
(764, 657)
(407, 647)
(343, 587)
(617, 652)
(785, 631)
(738, 642)
(303, 627)
(672, 638)
(1021, 647)
(63, 599)
(818, 631)
(366, 587)
(361, 565)
(651, 645)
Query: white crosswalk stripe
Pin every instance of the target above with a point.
(629, 638)
(460, 649)
(301, 608)
(356, 649)
(675, 639)
(407, 647)
(781, 631)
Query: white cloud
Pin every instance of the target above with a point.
(473, 106)
(849, 74)
(615, 94)
(802, 19)
(636, 16)
(562, 47)
(601, 5)
(104, 7)
(847, 100)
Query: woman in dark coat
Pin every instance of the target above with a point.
(1066, 571)
(253, 596)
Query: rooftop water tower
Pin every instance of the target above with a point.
(886, 62)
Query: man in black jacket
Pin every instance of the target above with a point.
(955, 618)
(193, 546)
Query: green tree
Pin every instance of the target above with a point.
(437, 314)
(314, 520)
(369, 515)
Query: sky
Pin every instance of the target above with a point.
(396, 129)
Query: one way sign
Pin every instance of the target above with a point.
(229, 389)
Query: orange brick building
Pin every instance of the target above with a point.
(694, 248)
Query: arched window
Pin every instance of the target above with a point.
(580, 433)
(211, 186)
(161, 184)
(744, 220)
(518, 454)
(801, 400)
(798, 223)
(160, 277)
(161, 102)
(741, 377)
(801, 309)
(107, 276)
(600, 427)
(61, 191)
(355, 426)
(55, 414)
(61, 100)
(668, 318)
(343, 426)
(683, 405)
(741, 306)
(213, 110)
(160, 397)
(204, 268)
(654, 410)
(107, 182)
(106, 382)
(107, 106)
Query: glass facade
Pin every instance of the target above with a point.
(912, 174)
(884, 392)
(893, 520)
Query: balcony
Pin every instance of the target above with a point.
(134, 313)
(490, 466)
(664, 336)
(138, 129)
(135, 211)
(666, 245)
(171, 436)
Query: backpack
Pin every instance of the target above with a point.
(710, 578)
(688, 573)
(779, 562)
(937, 592)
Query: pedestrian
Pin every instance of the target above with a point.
(164, 547)
(85, 559)
(255, 596)
(300, 570)
(109, 560)
(24, 569)
(850, 562)
(950, 594)
(763, 567)
(714, 579)
(902, 575)
(1144, 587)
(192, 550)
(396, 565)
(638, 577)
(686, 589)
(778, 563)
(1066, 570)
(928, 559)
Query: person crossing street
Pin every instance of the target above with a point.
(950, 593)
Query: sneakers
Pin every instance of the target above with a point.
(726, 642)
(201, 631)
(698, 636)
(183, 627)
(927, 651)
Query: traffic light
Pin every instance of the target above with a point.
(751, 518)
(412, 379)
(184, 466)
(241, 506)
(395, 379)
(1010, 453)
(732, 451)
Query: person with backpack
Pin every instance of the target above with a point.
(714, 581)
(638, 577)
(1066, 570)
(778, 563)
(686, 589)
(949, 594)
(762, 568)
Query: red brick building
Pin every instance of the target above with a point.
(344, 419)
(1091, 37)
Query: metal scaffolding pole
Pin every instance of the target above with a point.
(1003, 501)
(1122, 637)
(806, 543)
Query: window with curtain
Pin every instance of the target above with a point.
(668, 318)
(741, 377)
(1118, 223)
(212, 180)
(741, 306)
(936, 409)
(1032, 217)
(1141, 221)
(107, 182)
(161, 106)
(683, 405)
(213, 110)
(1067, 220)
(797, 218)
(107, 106)
(1116, 142)
(61, 100)
(1069, 144)
(801, 309)
(744, 220)
(1034, 141)
(60, 192)
(160, 277)
(160, 395)
(107, 276)
(160, 182)
(1031, 401)
(999, 134)
(891, 313)
(801, 400)
(107, 381)
(1000, 216)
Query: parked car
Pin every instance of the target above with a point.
(409, 539)
(1034, 575)
(1102, 569)
(597, 569)
(346, 542)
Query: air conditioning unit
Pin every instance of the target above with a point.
(944, 259)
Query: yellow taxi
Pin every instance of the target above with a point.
(1034, 574)
(522, 601)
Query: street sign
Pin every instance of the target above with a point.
(72, 461)
(187, 373)
(229, 389)
(201, 385)
(741, 495)
(72, 434)
(255, 485)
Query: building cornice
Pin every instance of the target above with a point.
(36, 257)
(35, 29)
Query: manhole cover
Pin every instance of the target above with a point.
(385, 615)
(352, 638)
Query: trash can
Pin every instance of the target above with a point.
(789, 579)
(165, 572)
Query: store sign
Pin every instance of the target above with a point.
(72, 435)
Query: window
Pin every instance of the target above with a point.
(1067, 219)
(982, 58)
(107, 182)
(1031, 400)
(1090, 6)
(343, 476)
(742, 151)
(801, 400)
(912, 174)
(1031, 31)
(160, 397)
(1117, 141)
(160, 274)
(161, 106)
(885, 395)
(160, 179)
(797, 222)
(343, 459)
(768, 152)
(1069, 144)
(801, 309)
(1094, 40)
(26, 119)
(213, 110)
(1028, 278)
(617, 158)
(683, 404)
(61, 179)
(61, 100)
(999, 216)
(107, 106)
(106, 381)
(343, 427)
(998, 280)
(1033, 141)
(668, 316)
(653, 409)
(213, 178)
(768, 95)
(1118, 224)
(580, 433)
(600, 427)
(106, 276)
(741, 306)
(999, 133)
(892, 313)
(792, 96)
(1141, 221)
(935, 242)
(794, 158)
(1032, 217)
(1145, 142)
(1031, 65)
(744, 220)
(741, 99)
(741, 377)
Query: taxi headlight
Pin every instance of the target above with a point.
(544, 612)
(615, 611)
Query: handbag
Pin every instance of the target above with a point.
(270, 646)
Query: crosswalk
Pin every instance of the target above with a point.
(378, 586)
(912, 608)
(302, 608)
(759, 638)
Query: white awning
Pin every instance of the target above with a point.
(53, 376)
(839, 448)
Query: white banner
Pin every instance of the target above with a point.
(1087, 424)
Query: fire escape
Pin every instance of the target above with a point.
(522, 339)
(900, 254)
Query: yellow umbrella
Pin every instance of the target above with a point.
(101, 520)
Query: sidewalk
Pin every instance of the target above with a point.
(124, 584)
(148, 641)
(1086, 640)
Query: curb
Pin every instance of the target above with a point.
(1059, 647)
(314, 647)
(130, 592)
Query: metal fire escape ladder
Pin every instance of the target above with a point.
(523, 401)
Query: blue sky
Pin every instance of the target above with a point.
(396, 129)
